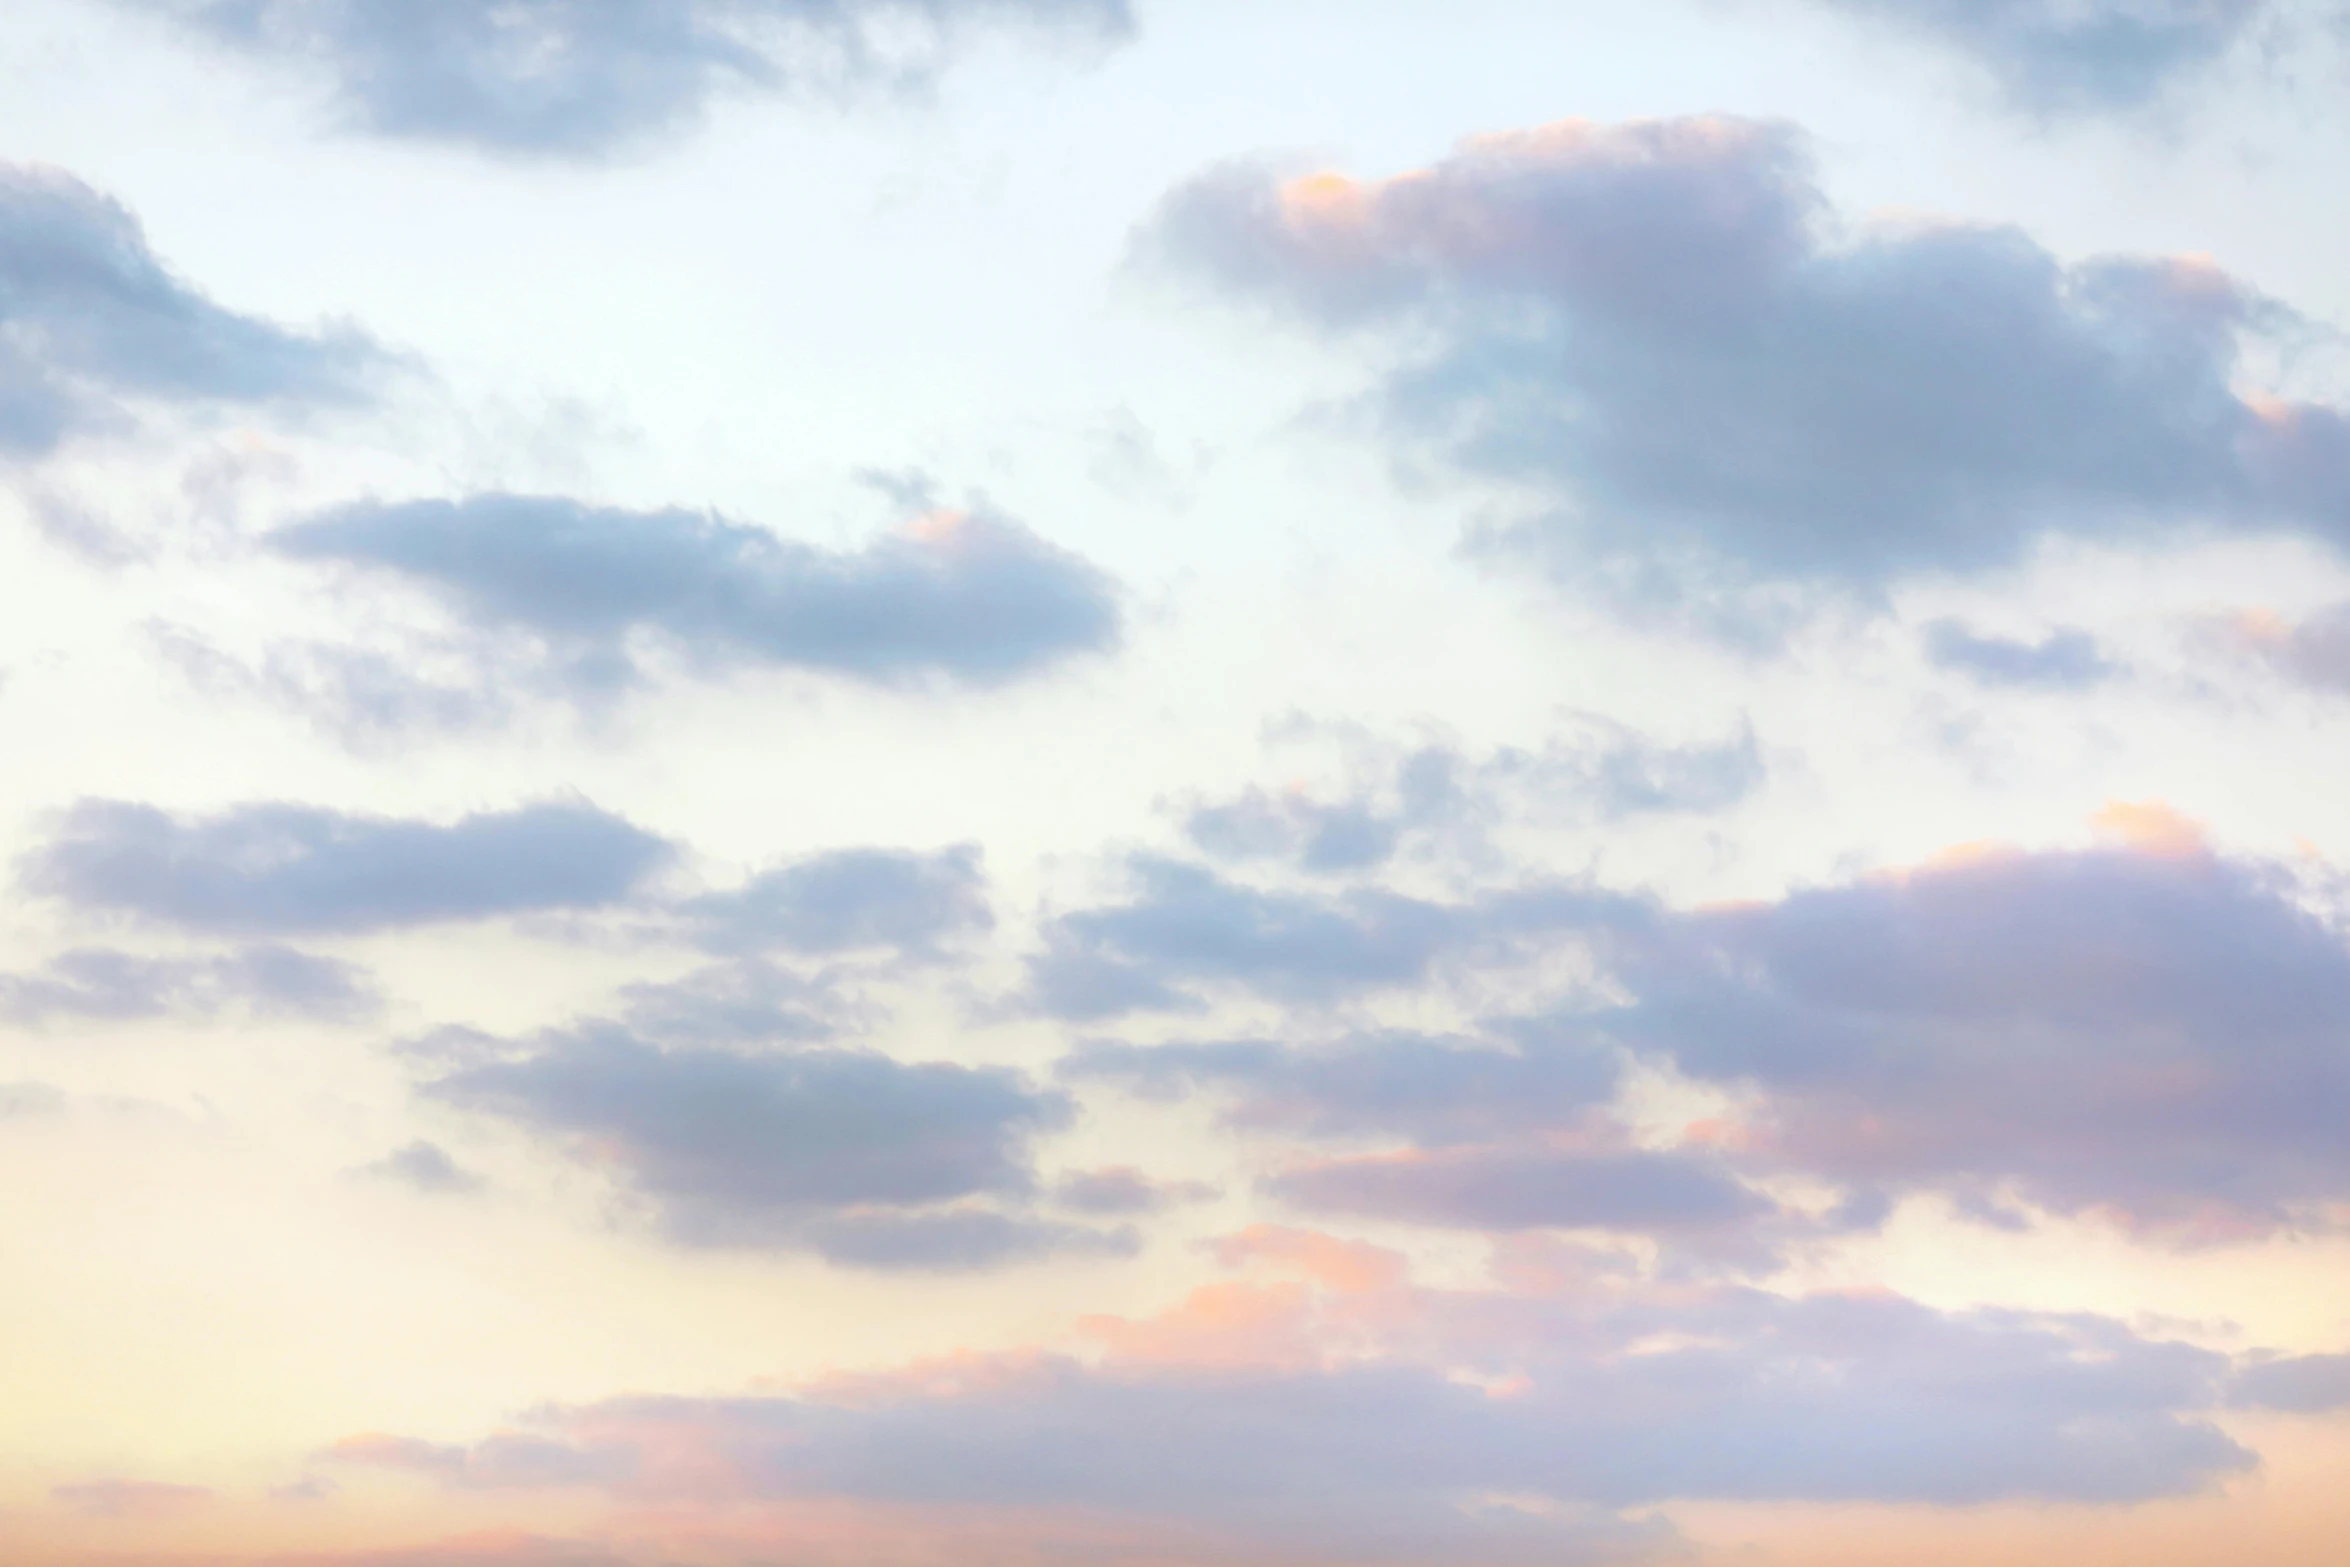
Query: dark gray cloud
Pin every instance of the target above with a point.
(2069, 56)
(2064, 659)
(1186, 930)
(1530, 1188)
(579, 78)
(862, 1159)
(93, 326)
(425, 1167)
(2158, 1035)
(2300, 1384)
(566, 594)
(103, 984)
(1433, 797)
(1657, 333)
(1434, 1091)
(1707, 1395)
(850, 900)
(285, 869)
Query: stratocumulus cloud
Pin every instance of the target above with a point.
(2152, 1032)
(1659, 335)
(858, 1157)
(1434, 797)
(581, 78)
(1336, 1410)
(1187, 932)
(286, 869)
(93, 328)
(967, 599)
(849, 900)
(102, 983)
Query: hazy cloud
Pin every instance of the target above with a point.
(1122, 1191)
(2078, 55)
(280, 868)
(130, 1499)
(2300, 1384)
(93, 325)
(1433, 797)
(1434, 1091)
(579, 78)
(104, 984)
(1521, 1188)
(425, 1167)
(2313, 651)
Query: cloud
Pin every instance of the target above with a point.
(582, 78)
(1185, 923)
(2155, 1033)
(1432, 797)
(1122, 1191)
(1518, 1189)
(1434, 1091)
(2065, 659)
(2314, 651)
(740, 1003)
(130, 1499)
(425, 1167)
(570, 596)
(865, 1160)
(1701, 385)
(2302, 1384)
(26, 1101)
(93, 327)
(275, 868)
(850, 900)
(2075, 56)
(1186, 930)
(104, 984)
(1338, 1411)
(2150, 1033)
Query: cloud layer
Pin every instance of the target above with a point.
(1332, 1409)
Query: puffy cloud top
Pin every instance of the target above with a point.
(1658, 333)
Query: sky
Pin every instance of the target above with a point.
(1165, 783)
